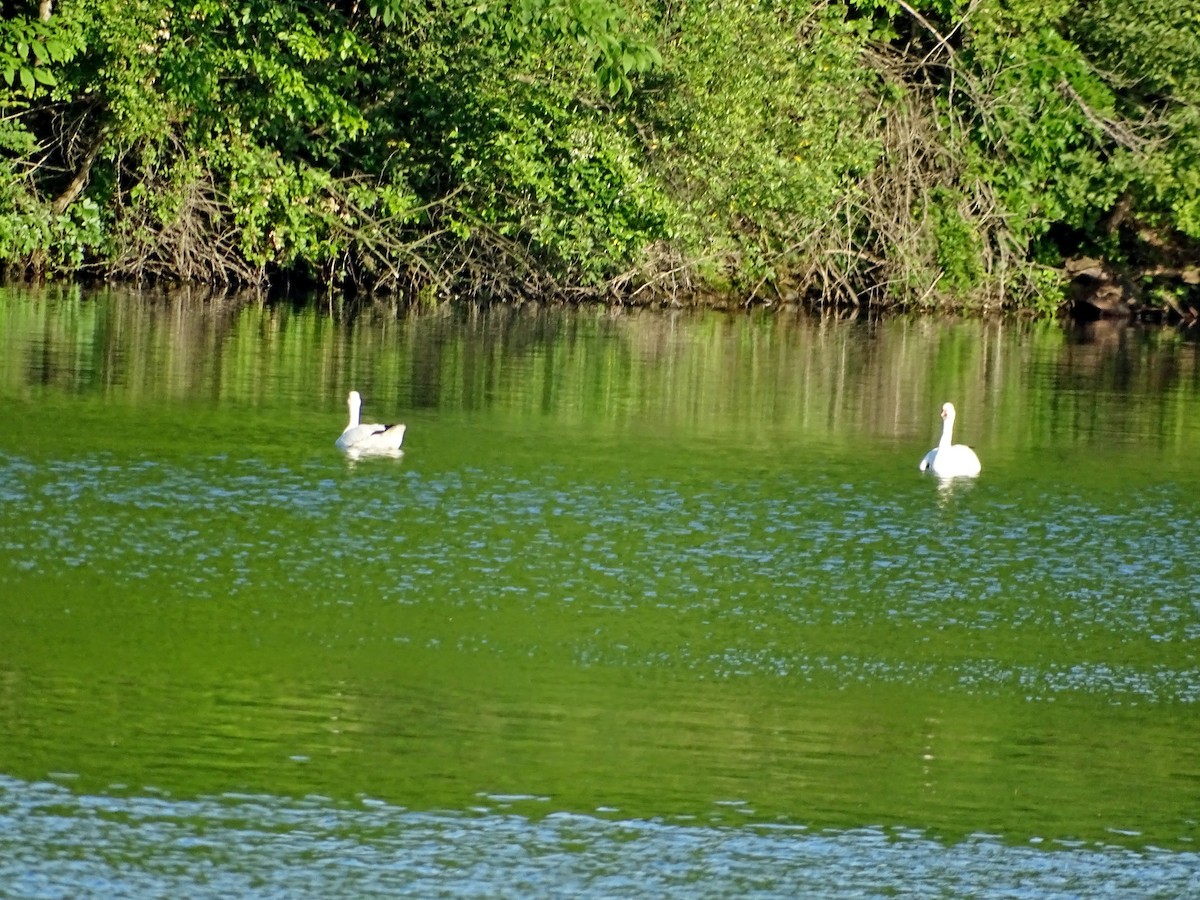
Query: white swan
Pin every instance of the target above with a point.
(364, 438)
(949, 460)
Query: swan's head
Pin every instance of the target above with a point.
(354, 400)
(948, 412)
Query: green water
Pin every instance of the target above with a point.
(636, 568)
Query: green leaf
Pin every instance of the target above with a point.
(59, 52)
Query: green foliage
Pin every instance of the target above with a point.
(30, 50)
(919, 152)
(1057, 115)
(1031, 135)
(1041, 290)
(1150, 53)
(597, 27)
(31, 53)
(761, 147)
(956, 242)
(55, 243)
(27, 228)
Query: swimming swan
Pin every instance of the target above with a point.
(949, 460)
(362, 438)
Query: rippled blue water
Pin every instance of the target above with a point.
(247, 846)
(974, 563)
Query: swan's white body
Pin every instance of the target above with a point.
(365, 438)
(947, 459)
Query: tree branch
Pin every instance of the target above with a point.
(79, 182)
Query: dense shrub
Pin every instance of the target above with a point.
(856, 151)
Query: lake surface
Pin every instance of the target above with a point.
(653, 604)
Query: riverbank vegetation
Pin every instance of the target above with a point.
(900, 154)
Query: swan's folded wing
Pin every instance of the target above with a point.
(389, 436)
(357, 434)
(394, 432)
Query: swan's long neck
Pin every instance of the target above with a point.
(354, 404)
(947, 432)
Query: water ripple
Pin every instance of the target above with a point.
(269, 847)
(729, 559)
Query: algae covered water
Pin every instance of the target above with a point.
(653, 604)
